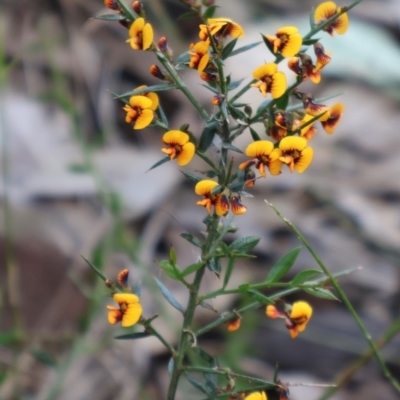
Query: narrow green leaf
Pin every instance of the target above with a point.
(213, 89)
(158, 163)
(44, 357)
(203, 354)
(207, 136)
(110, 17)
(322, 293)
(162, 115)
(229, 146)
(169, 296)
(192, 268)
(262, 106)
(192, 177)
(254, 134)
(218, 189)
(228, 272)
(188, 15)
(169, 269)
(95, 269)
(311, 18)
(211, 384)
(210, 11)
(172, 255)
(226, 52)
(236, 187)
(305, 276)
(214, 265)
(283, 265)
(236, 113)
(191, 239)
(133, 336)
(193, 381)
(244, 244)
(235, 84)
(244, 48)
(154, 88)
(308, 42)
(260, 297)
(224, 248)
(183, 58)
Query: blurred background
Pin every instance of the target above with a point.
(74, 182)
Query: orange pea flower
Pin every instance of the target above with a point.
(287, 41)
(140, 35)
(129, 310)
(327, 10)
(221, 27)
(199, 57)
(335, 116)
(220, 203)
(139, 110)
(270, 80)
(295, 153)
(178, 146)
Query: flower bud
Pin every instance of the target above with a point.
(163, 46)
(112, 4)
(138, 8)
(156, 72)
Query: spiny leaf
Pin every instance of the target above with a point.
(244, 244)
(207, 136)
(244, 48)
(110, 17)
(322, 293)
(304, 276)
(192, 268)
(169, 296)
(169, 269)
(283, 265)
(154, 88)
(260, 297)
(188, 15)
(192, 177)
(158, 163)
(235, 84)
(214, 265)
(133, 336)
(95, 269)
(210, 11)
(229, 146)
(191, 239)
(196, 383)
(226, 52)
(254, 134)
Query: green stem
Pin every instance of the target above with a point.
(178, 82)
(345, 300)
(228, 373)
(189, 313)
(353, 367)
(256, 304)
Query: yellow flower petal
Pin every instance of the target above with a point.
(140, 102)
(221, 205)
(136, 27)
(204, 187)
(144, 119)
(292, 46)
(335, 116)
(278, 85)
(259, 148)
(291, 143)
(302, 163)
(122, 298)
(154, 100)
(275, 164)
(341, 24)
(175, 138)
(114, 315)
(265, 70)
(147, 36)
(256, 396)
(286, 30)
(203, 63)
(324, 11)
(186, 154)
(301, 309)
(131, 315)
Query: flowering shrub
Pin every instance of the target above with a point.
(291, 119)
